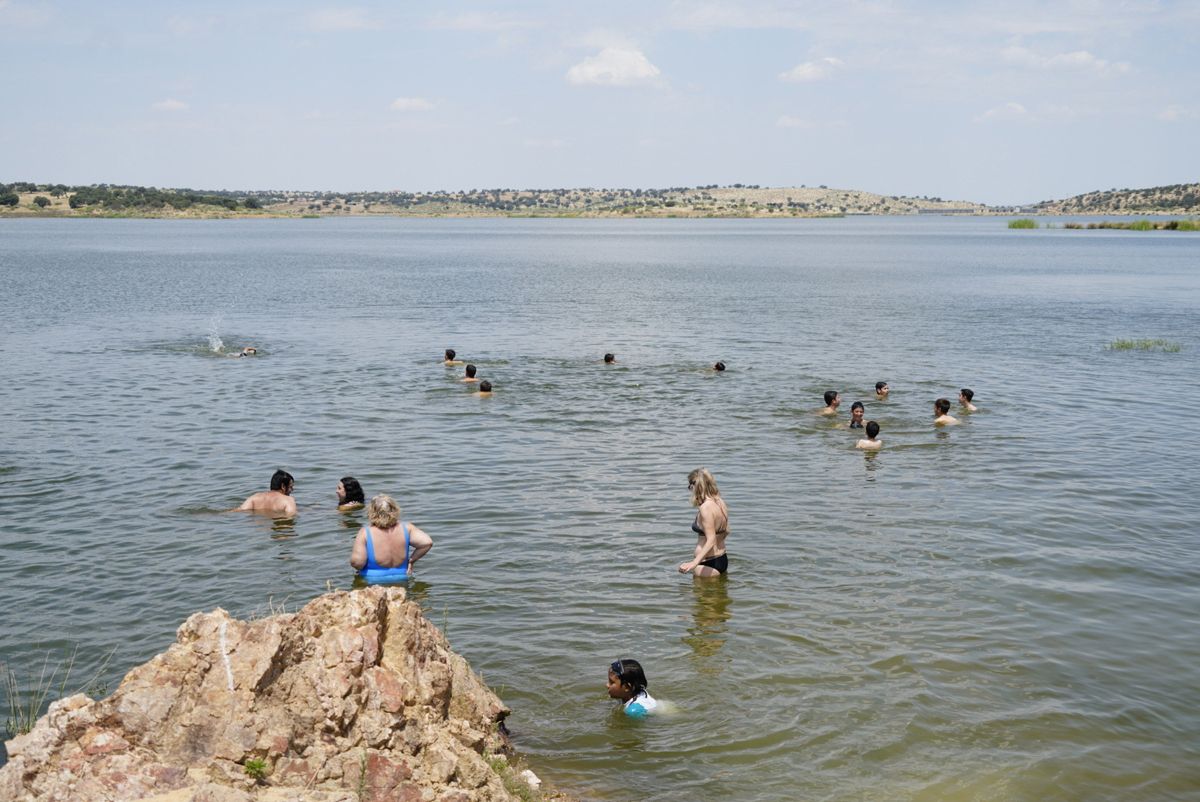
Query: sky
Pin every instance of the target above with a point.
(1002, 103)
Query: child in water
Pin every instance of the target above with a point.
(627, 682)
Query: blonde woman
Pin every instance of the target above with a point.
(711, 526)
(386, 549)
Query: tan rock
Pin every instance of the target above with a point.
(355, 697)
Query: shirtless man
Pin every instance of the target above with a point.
(276, 501)
(450, 361)
(964, 398)
(882, 390)
(610, 359)
(941, 413)
(470, 377)
(485, 389)
(832, 399)
(871, 442)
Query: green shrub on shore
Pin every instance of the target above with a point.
(1165, 346)
(1023, 222)
(1138, 225)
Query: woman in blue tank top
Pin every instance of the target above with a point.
(386, 548)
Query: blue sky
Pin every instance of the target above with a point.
(1000, 103)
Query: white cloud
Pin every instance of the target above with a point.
(171, 104)
(1009, 111)
(1078, 60)
(1175, 113)
(411, 104)
(340, 19)
(811, 71)
(480, 21)
(615, 66)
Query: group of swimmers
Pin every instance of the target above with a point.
(386, 548)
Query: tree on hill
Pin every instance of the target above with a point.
(42, 201)
(9, 198)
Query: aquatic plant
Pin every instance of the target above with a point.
(1165, 346)
(1024, 222)
(1139, 225)
(25, 706)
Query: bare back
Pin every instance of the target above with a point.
(714, 513)
(271, 502)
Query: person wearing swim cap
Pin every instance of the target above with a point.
(627, 682)
(386, 549)
(711, 527)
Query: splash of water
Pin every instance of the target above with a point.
(215, 343)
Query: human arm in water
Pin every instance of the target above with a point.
(708, 522)
(419, 545)
(358, 554)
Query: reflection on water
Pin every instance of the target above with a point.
(710, 616)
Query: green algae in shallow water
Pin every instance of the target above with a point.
(1145, 345)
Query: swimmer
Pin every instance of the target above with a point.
(964, 397)
(485, 389)
(720, 366)
(941, 413)
(450, 360)
(627, 682)
(249, 350)
(871, 442)
(857, 410)
(882, 390)
(349, 494)
(470, 377)
(386, 549)
(711, 526)
(832, 399)
(276, 501)
(610, 359)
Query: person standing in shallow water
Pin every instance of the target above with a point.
(711, 526)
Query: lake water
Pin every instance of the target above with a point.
(1002, 610)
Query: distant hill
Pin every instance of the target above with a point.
(734, 200)
(1173, 199)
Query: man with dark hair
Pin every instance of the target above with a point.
(871, 442)
(964, 397)
(832, 399)
(610, 358)
(276, 501)
(470, 371)
(882, 390)
(941, 413)
(485, 388)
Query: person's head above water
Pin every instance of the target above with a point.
(720, 366)
(470, 371)
(881, 388)
(350, 491)
(857, 405)
(626, 679)
(942, 406)
(703, 485)
(450, 354)
(872, 429)
(485, 386)
(609, 359)
(383, 511)
(831, 398)
(966, 395)
(282, 481)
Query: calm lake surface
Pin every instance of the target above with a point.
(1002, 610)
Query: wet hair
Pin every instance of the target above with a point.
(967, 394)
(829, 396)
(450, 354)
(857, 405)
(872, 429)
(470, 371)
(354, 491)
(719, 366)
(609, 358)
(281, 479)
(942, 405)
(383, 511)
(629, 672)
(703, 485)
(880, 385)
(485, 386)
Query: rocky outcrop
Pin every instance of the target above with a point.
(355, 697)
